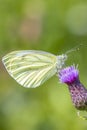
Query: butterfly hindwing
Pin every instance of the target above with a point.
(30, 68)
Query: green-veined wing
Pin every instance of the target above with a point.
(30, 68)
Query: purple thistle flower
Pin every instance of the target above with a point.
(70, 76)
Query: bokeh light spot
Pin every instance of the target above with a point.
(76, 19)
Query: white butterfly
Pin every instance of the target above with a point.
(32, 68)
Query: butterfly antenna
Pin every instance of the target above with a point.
(76, 48)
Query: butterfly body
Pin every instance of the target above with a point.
(32, 68)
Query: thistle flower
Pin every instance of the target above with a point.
(70, 76)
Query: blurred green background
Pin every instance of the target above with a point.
(55, 26)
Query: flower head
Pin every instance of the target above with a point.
(70, 76)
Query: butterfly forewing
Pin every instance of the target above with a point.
(30, 68)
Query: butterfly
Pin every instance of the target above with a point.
(31, 68)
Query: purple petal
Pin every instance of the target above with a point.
(69, 74)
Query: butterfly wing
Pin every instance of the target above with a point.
(30, 68)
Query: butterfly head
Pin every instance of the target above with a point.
(61, 60)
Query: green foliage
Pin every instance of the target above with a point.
(49, 26)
